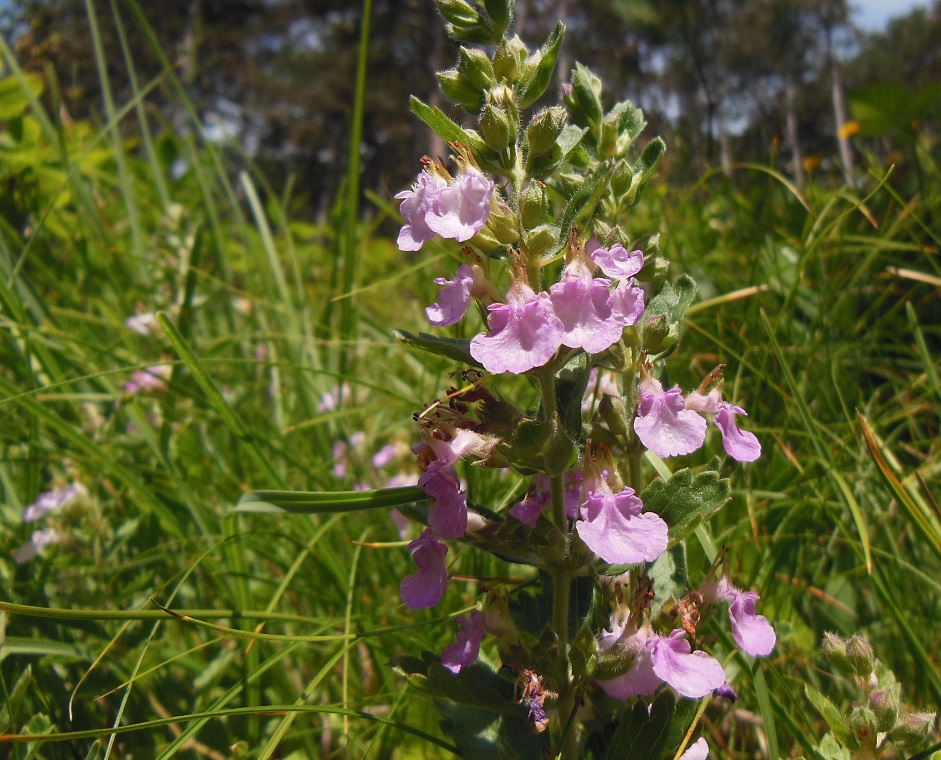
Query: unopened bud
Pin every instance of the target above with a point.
(508, 59)
(862, 725)
(475, 66)
(612, 411)
(834, 649)
(859, 653)
(560, 453)
(501, 224)
(498, 129)
(458, 12)
(457, 88)
(584, 99)
(656, 330)
(534, 205)
(913, 731)
(544, 129)
(885, 704)
(541, 240)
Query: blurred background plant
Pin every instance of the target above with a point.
(127, 191)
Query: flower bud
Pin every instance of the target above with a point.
(534, 205)
(913, 731)
(862, 726)
(612, 411)
(834, 649)
(584, 97)
(544, 128)
(656, 333)
(508, 59)
(859, 653)
(501, 224)
(542, 240)
(498, 129)
(457, 88)
(458, 12)
(885, 704)
(475, 66)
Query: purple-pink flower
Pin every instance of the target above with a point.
(463, 652)
(416, 204)
(447, 516)
(457, 210)
(583, 304)
(460, 210)
(738, 444)
(454, 298)
(664, 424)
(615, 261)
(425, 587)
(524, 332)
(50, 501)
(752, 632)
(614, 527)
(659, 659)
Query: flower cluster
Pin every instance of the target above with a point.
(47, 503)
(550, 286)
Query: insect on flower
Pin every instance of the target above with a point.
(533, 698)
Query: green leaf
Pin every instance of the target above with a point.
(583, 200)
(544, 164)
(451, 348)
(13, 100)
(450, 131)
(318, 502)
(687, 500)
(663, 318)
(538, 68)
(831, 714)
(643, 735)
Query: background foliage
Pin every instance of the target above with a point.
(822, 295)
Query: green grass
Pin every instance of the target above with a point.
(169, 624)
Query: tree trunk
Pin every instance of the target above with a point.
(790, 123)
(839, 114)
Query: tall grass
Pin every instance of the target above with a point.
(165, 623)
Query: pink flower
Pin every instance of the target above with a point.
(752, 632)
(464, 651)
(151, 379)
(659, 659)
(425, 587)
(448, 514)
(627, 303)
(460, 210)
(583, 304)
(50, 501)
(416, 204)
(738, 444)
(615, 529)
(454, 298)
(524, 332)
(37, 542)
(615, 261)
(663, 423)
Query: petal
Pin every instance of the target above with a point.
(627, 303)
(463, 652)
(583, 305)
(752, 632)
(614, 529)
(460, 210)
(415, 205)
(615, 261)
(425, 587)
(523, 334)
(698, 750)
(454, 298)
(692, 674)
(447, 516)
(667, 428)
(738, 443)
(640, 680)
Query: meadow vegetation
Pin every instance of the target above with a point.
(160, 622)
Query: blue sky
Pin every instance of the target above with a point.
(872, 15)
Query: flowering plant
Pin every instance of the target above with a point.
(586, 317)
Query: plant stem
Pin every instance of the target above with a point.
(561, 585)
